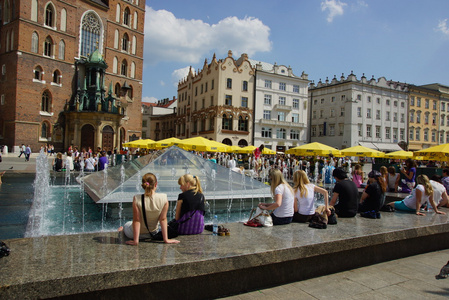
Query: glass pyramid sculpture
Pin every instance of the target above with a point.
(120, 183)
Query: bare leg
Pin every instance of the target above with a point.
(445, 201)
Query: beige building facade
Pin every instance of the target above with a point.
(217, 102)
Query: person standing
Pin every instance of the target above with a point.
(22, 150)
(27, 153)
(102, 161)
(445, 179)
(347, 194)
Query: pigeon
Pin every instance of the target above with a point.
(444, 272)
(11, 168)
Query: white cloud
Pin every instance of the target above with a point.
(179, 74)
(168, 38)
(162, 83)
(335, 8)
(149, 99)
(442, 26)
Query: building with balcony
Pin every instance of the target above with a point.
(347, 111)
(280, 111)
(217, 101)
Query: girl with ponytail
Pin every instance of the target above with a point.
(190, 208)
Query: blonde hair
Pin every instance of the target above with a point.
(276, 179)
(357, 167)
(149, 182)
(299, 182)
(424, 180)
(194, 181)
(383, 170)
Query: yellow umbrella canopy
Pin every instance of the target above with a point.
(313, 149)
(138, 143)
(247, 149)
(163, 143)
(202, 144)
(268, 151)
(234, 149)
(362, 151)
(402, 154)
(440, 152)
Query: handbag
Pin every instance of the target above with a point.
(262, 217)
(172, 226)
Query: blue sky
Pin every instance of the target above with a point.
(402, 40)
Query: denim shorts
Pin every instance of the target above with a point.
(281, 221)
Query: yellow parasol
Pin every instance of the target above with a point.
(362, 151)
(402, 154)
(234, 149)
(138, 143)
(163, 143)
(313, 149)
(268, 151)
(440, 152)
(202, 144)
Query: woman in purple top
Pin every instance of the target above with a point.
(410, 174)
(102, 161)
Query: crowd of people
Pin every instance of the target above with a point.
(295, 203)
(86, 159)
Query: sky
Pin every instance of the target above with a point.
(401, 40)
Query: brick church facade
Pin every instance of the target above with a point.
(71, 72)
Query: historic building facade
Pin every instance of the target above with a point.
(158, 119)
(217, 102)
(348, 111)
(443, 110)
(423, 121)
(280, 112)
(71, 72)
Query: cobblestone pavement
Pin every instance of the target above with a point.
(407, 278)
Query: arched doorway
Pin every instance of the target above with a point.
(108, 138)
(243, 143)
(87, 137)
(227, 142)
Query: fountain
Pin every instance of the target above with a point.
(102, 201)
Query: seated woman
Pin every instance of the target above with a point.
(393, 179)
(156, 207)
(283, 199)
(372, 198)
(439, 192)
(190, 207)
(422, 193)
(304, 205)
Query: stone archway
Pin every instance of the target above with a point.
(107, 143)
(243, 143)
(87, 137)
(227, 141)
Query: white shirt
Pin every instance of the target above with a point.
(286, 208)
(410, 201)
(306, 203)
(438, 191)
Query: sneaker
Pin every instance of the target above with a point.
(378, 215)
(368, 214)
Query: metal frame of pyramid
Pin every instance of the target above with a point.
(120, 183)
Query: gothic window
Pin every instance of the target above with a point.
(126, 16)
(34, 10)
(38, 73)
(124, 68)
(91, 34)
(34, 42)
(115, 65)
(116, 39)
(63, 20)
(56, 77)
(46, 102)
(44, 130)
(61, 52)
(125, 42)
(48, 45)
(134, 45)
(50, 15)
(133, 70)
(117, 89)
(117, 13)
(7, 12)
(135, 20)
